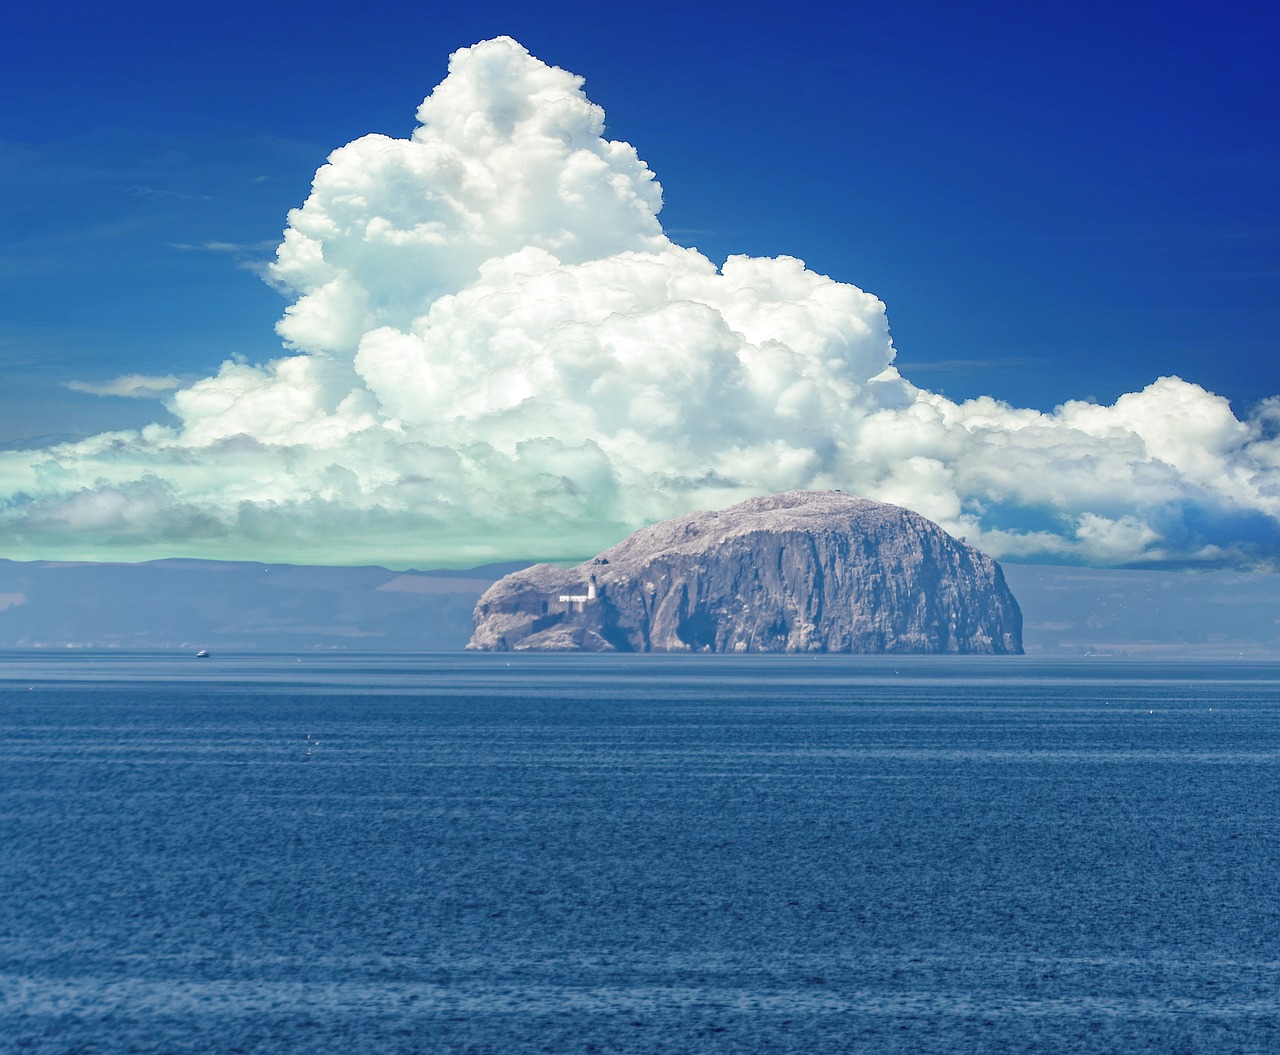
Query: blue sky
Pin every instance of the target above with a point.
(1053, 205)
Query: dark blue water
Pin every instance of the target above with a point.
(597, 854)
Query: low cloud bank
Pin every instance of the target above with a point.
(130, 386)
(495, 351)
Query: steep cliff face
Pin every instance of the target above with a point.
(804, 571)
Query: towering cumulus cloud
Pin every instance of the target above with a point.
(495, 351)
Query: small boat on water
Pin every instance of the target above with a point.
(202, 654)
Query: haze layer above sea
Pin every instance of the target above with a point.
(193, 604)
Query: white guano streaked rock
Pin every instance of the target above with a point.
(803, 571)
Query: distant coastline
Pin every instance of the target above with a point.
(226, 605)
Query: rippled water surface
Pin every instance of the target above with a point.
(655, 854)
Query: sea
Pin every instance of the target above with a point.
(448, 853)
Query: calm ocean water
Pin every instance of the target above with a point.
(650, 854)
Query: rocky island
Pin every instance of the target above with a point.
(804, 571)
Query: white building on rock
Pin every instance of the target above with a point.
(577, 601)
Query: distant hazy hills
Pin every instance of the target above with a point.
(1073, 611)
(191, 604)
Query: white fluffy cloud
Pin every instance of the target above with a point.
(495, 351)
